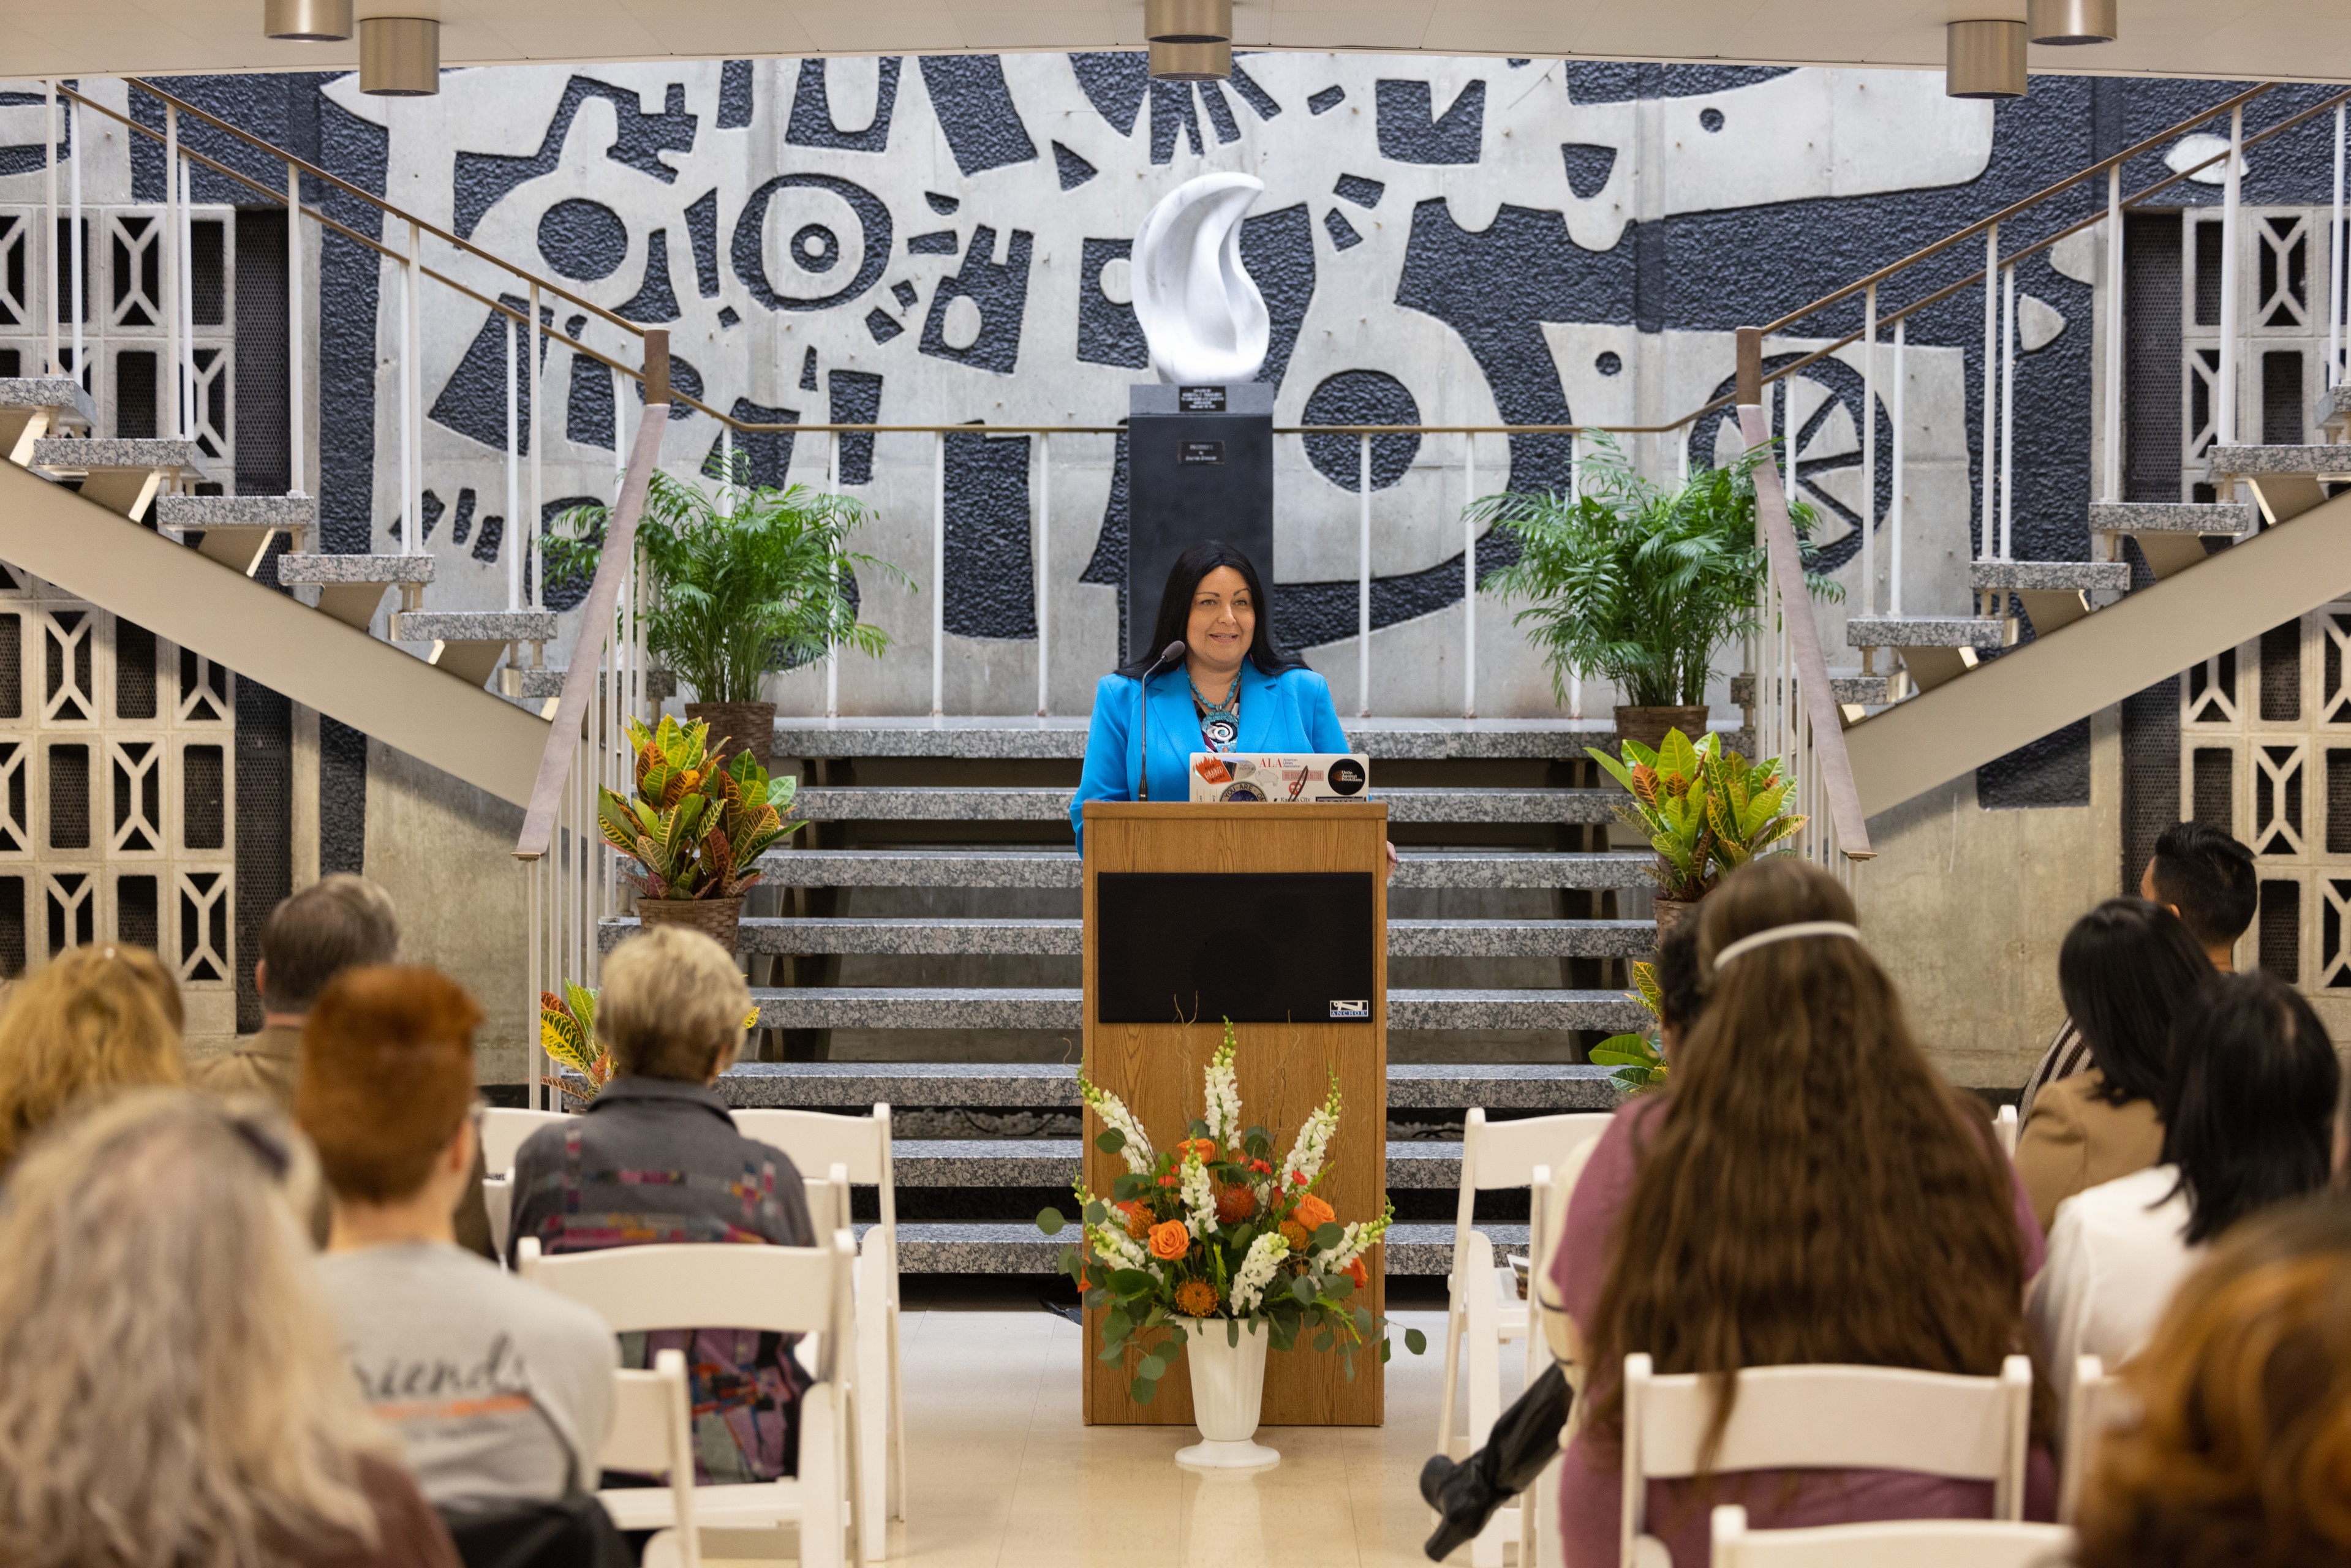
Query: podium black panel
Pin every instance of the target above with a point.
(1252, 946)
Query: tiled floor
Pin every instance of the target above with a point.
(1004, 1474)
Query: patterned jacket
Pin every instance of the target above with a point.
(655, 1160)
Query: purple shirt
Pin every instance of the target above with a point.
(1591, 1487)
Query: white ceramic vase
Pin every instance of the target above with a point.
(1228, 1393)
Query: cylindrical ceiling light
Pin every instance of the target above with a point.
(2071, 21)
(1191, 62)
(1188, 21)
(306, 21)
(400, 56)
(1984, 59)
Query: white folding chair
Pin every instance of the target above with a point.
(504, 1129)
(497, 1198)
(2091, 1406)
(653, 1433)
(818, 1140)
(1912, 1542)
(2004, 1128)
(1482, 1306)
(1826, 1417)
(778, 1289)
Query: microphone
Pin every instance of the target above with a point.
(1167, 655)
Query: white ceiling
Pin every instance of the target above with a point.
(2270, 39)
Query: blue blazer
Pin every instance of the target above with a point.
(1288, 712)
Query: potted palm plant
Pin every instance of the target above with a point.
(744, 579)
(1637, 583)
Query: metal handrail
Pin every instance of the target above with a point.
(1832, 766)
(599, 615)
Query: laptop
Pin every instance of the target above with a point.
(1268, 776)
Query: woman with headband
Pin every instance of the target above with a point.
(1808, 1191)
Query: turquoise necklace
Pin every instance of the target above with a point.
(1220, 723)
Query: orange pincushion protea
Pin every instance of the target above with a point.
(1235, 1204)
(1138, 1220)
(1196, 1298)
(1295, 1234)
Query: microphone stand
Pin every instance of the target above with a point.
(1167, 655)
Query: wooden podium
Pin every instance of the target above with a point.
(1284, 1070)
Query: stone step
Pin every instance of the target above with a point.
(33, 408)
(1061, 1008)
(822, 803)
(1059, 868)
(1860, 691)
(469, 644)
(1545, 1086)
(2053, 594)
(122, 476)
(1934, 648)
(350, 586)
(237, 529)
(2286, 480)
(773, 937)
(537, 685)
(1055, 1162)
(2171, 534)
(1019, 1248)
(1381, 740)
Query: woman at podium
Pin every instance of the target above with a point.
(1227, 686)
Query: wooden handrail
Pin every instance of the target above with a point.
(1833, 767)
(596, 621)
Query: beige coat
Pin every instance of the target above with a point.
(2075, 1141)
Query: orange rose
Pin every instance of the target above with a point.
(1355, 1271)
(1235, 1204)
(1138, 1220)
(1207, 1146)
(1170, 1240)
(1313, 1213)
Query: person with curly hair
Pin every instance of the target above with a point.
(2239, 1454)
(91, 1022)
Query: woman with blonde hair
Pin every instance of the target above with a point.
(1808, 1191)
(93, 1021)
(2241, 1451)
(170, 1390)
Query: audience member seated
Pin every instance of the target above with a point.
(170, 1388)
(2203, 876)
(2127, 970)
(2239, 1452)
(1849, 1205)
(91, 1021)
(338, 923)
(655, 1157)
(2248, 1121)
(499, 1390)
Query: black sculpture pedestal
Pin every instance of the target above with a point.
(1200, 467)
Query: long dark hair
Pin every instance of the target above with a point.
(2126, 971)
(1176, 610)
(2248, 1107)
(1812, 1191)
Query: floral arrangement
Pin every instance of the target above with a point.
(1213, 1230)
(1639, 1059)
(1705, 811)
(566, 1032)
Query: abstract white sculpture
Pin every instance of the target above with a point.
(1201, 314)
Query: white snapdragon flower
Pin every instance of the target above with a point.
(1222, 1091)
(1360, 1238)
(1255, 1272)
(1313, 1141)
(1199, 1195)
(1115, 1115)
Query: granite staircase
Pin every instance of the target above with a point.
(921, 947)
(66, 486)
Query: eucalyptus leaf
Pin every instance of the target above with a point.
(1050, 1221)
(1151, 1368)
(1329, 1236)
(1302, 1289)
(1111, 1141)
(1325, 1340)
(1387, 1348)
(1131, 1281)
(1232, 1331)
(1142, 1389)
(1414, 1341)
(1097, 1211)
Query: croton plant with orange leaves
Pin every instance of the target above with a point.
(696, 826)
(1212, 1228)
